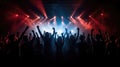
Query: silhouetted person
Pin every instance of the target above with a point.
(72, 46)
(47, 43)
(98, 44)
(90, 46)
(83, 46)
(112, 47)
(59, 45)
(118, 46)
(26, 49)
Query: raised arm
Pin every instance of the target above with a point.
(55, 37)
(30, 35)
(22, 34)
(63, 37)
(92, 38)
(40, 32)
(66, 33)
(101, 35)
(53, 31)
(34, 33)
(37, 34)
(78, 31)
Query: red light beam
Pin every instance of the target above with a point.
(39, 5)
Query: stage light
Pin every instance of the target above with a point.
(70, 16)
(72, 31)
(59, 28)
(101, 14)
(62, 17)
(63, 23)
(38, 4)
(54, 17)
(78, 17)
(89, 15)
(16, 15)
(38, 17)
(27, 16)
(54, 20)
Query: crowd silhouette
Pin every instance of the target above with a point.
(51, 48)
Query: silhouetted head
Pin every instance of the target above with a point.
(59, 39)
(47, 35)
(75, 34)
(112, 38)
(72, 38)
(12, 37)
(25, 38)
(82, 37)
(97, 37)
(88, 36)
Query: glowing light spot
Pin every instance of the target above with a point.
(78, 17)
(89, 15)
(38, 17)
(101, 14)
(72, 31)
(16, 15)
(54, 17)
(62, 17)
(27, 16)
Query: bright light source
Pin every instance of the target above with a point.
(54, 17)
(16, 15)
(62, 17)
(101, 14)
(27, 16)
(38, 17)
(78, 17)
(72, 31)
(59, 28)
(89, 15)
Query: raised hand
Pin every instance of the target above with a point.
(40, 32)
(66, 30)
(37, 26)
(78, 29)
(53, 30)
(33, 33)
(37, 34)
(62, 34)
(77, 33)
